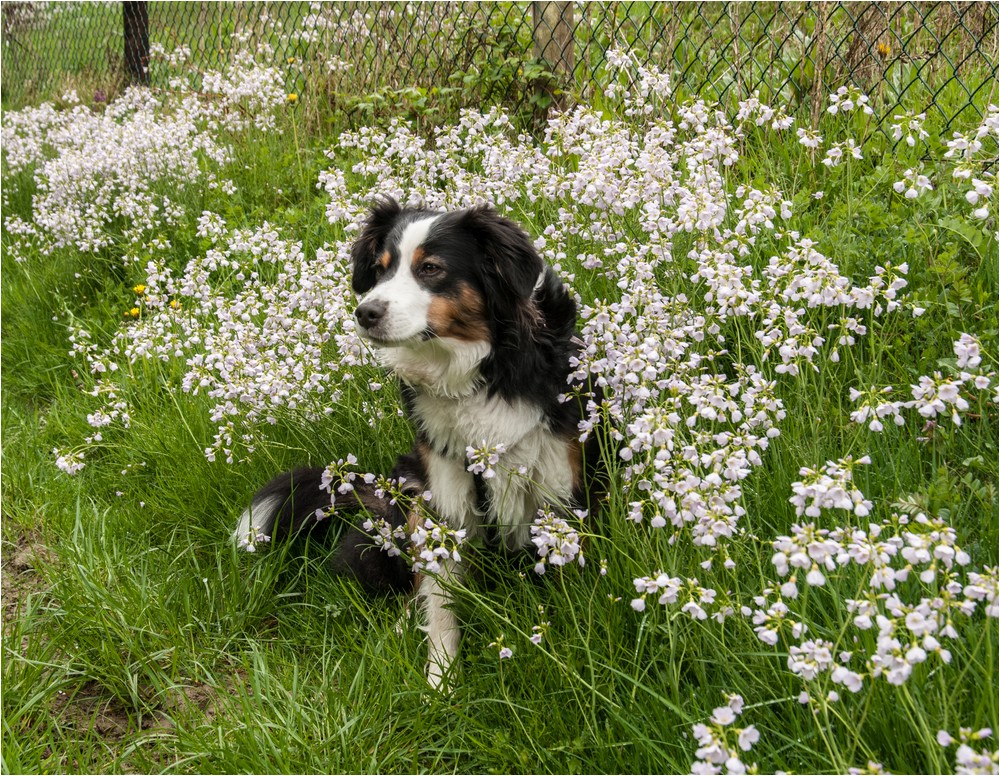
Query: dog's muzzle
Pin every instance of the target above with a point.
(371, 313)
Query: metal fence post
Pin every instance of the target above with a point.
(136, 23)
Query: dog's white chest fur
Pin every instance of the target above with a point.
(475, 420)
(533, 470)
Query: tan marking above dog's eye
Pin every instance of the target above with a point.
(382, 264)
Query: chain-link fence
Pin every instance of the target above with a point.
(525, 56)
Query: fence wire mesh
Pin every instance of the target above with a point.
(525, 56)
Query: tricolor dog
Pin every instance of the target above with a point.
(479, 333)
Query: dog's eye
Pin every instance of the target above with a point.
(429, 269)
(379, 271)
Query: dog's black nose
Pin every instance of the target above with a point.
(370, 313)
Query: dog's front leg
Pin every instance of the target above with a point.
(442, 628)
(453, 500)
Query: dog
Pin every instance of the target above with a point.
(480, 334)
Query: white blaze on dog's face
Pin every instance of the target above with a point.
(396, 309)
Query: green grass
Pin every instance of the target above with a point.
(141, 640)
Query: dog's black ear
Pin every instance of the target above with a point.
(512, 263)
(373, 235)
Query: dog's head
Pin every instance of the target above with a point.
(462, 275)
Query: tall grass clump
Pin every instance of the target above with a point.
(794, 327)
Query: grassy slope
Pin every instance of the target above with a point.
(149, 644)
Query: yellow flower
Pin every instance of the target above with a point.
(134, 312)
(291, 60)
(293, 98)
(174, 304)
(884, 50)
(139, 289)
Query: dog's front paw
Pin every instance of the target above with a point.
(438, 677)
(403, 621)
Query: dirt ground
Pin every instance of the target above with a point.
(26, 567)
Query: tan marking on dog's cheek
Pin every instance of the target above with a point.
(459, 317)
(384, 260)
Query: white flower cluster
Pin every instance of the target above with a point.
(753, 110)
(254, 537)
(432, 542)
(810, 138)
(249, 92)
(484, 458)
(384, 536)
(934, 395)
(914, 184)
(874, 408)
(539, 631)
(830, 488)
(804, 275)
(810, 658)
(339, 473)
(690, 435)
(975, 158)
(666, 587)
(922, 548)
(967, 759)
(557, 542)
(838, 152)
(984, 587)
(913, 125)
(256, 352)
(118, 167)
(640, 89)
(770, 619)
(122, 170)
(71, 463)
(698, 600)
(720, 745)
(848, 99)
(503, 651)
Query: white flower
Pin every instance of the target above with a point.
(967, 351)
(748, 737)
(913, 184)
(850, 679)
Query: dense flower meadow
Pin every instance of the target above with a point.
(702, 306)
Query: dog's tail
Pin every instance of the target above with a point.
(294, 505)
